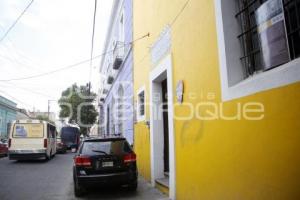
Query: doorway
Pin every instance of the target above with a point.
(165, 115)
(162, 144)
(107, 121)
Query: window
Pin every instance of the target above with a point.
(141, 104)
(259, 45)
(107, 121)
(105, 147)
(292, 16)
(265, 27)
(121, 29)
(28, 130)
(51, 131)
(112, 117)
(120, 111)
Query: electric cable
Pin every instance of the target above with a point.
(16, 21)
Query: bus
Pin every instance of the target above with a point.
(31, 139)
(70, 135)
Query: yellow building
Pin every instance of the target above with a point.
(217, 101)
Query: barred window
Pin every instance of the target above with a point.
(141, 103)
(270, 33)
(140, 107)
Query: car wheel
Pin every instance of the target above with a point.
(78, 190)
(133, 186)
(47, 157)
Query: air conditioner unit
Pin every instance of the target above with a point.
(104, 91)
(101, 99)
(110, 79)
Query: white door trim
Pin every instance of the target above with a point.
(164, 67)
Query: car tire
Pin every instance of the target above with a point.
(78, 190)
(47, 157)
(133, 186)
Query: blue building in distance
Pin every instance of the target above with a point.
(8, 113)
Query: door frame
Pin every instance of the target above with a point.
(161, 71)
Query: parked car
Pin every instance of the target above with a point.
(3, 148)
(61, 147)
(104, 162)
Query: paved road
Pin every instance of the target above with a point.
(37, 180)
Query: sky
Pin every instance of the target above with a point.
(50, 35)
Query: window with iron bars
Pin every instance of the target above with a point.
(249, 36)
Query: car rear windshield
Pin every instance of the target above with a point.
(114, 147)
(28, 131)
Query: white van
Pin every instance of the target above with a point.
(31, 139)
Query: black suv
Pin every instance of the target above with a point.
(106, 162)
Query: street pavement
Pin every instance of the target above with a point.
(52, 180)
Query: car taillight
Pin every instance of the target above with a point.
(45, 143)
(82, 161)
(9, 142)
(131, 157)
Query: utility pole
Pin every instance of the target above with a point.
(92, 48)
(49, 100)
(48, 108)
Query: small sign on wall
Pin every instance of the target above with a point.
(162, 46)
(180, 91)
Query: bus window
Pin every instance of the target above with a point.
(51, 131)
(28, 130)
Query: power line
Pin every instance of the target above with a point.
(12, 48)
(100, 55)
(142, 37)
(177, 16)
(179, 13)
(92, 47)
(14, 60)
(16, 21)
(93, 35)
(26, 89)
(15, 98)
(70, 66)
(50, 72)
(57, 70)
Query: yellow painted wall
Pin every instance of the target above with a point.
(217, 159)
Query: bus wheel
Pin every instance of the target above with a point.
(52, 155)
(47, 157)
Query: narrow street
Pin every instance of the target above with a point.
(52, 180)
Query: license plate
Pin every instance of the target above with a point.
(107, 164)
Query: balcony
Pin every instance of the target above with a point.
(118, 55)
